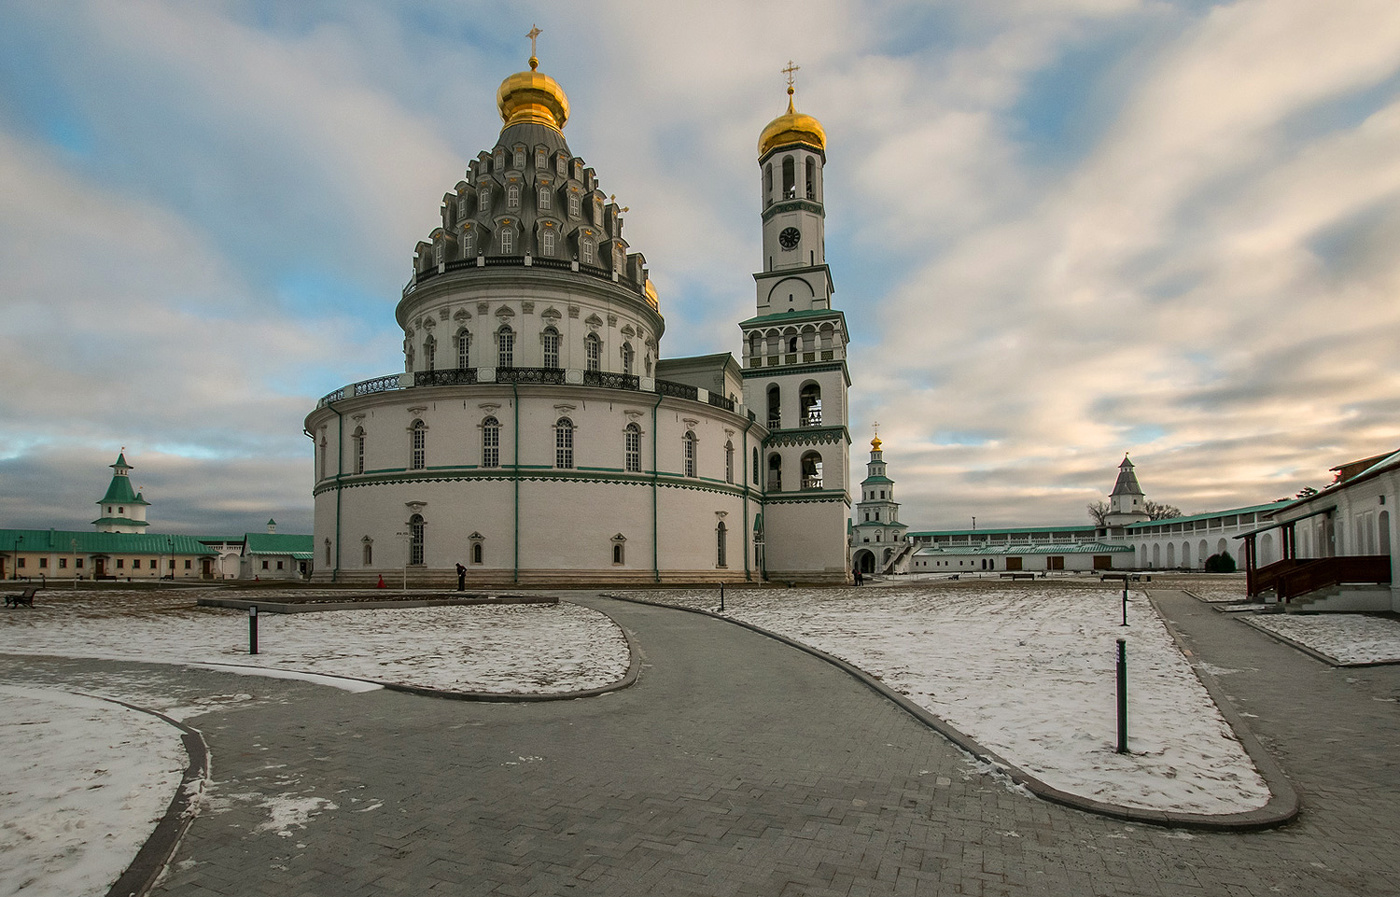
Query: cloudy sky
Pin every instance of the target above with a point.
(1061, 230)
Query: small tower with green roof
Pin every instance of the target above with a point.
(123, 509)
(877, 538)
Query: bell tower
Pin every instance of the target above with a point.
(795, 373)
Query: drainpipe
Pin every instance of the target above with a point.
(655, 475)
(747, 536)
(339, 470)
(515, 393)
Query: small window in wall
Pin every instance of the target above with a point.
(546, 196)
(775, 472)
(187, 564)
(463, 348)
(729, 462)
(490, 442)
(279, 565)
(328, 552)
(594, 349)
(63, 563)
(812, 471)
(721, 545)
(633, 448)
(43, 563)
(367, 552)
(359, 443)
(264, 565)
(755, 466)
(507, 238)
(575, 207)
(121, 563)
(513, 196)
(629, 358)
(478, 551)
(519, 158)
(587, 251)
(619, 550)
(547, 242)
(811, 178)
(768, 184)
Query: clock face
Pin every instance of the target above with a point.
(789, 237)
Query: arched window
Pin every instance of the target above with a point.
(476, 553)
(541, 158)
(789, 179)
(629, 358)
(415, 540)
(546, 197)
(633, 448)
(469, 244)
(619, 550)
(586, 248)
(550, 339)
(811, 178)
(755, 465)
(721, 545)
(367, 552)
(490, 442)
(519, 158)
(547, 241)
(594, 350)
(775, 472)
(811, 471)
(564, 443)
(729, 462)
(575, 206)
(792, 344)
(419, 455)
(811, 401)
(463, 342)
(507, 240)
(688, 452)
(768, 184)
(429, 353)
(359, 442)
(505, 347)
(775, 412)
(513, 196)
(755, 349)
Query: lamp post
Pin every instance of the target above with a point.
(73, 549)
(19, 543)
(170, 542)
(407, 537)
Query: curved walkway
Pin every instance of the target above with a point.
(735, 765)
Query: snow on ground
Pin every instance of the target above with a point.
(510, 649)
(1030, 673)
(85, 782)
(1345, 638)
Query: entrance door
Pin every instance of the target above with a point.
(100, 568)
(1013, 564)
(206, 568)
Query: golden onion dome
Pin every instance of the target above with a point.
(532, 97)
(875, 444)
(792, 127)
(652, 299)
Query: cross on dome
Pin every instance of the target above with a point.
(533, 33)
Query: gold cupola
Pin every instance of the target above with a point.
(532, 97)
(875, 444)
(792, 127)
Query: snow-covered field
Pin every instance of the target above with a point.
(1030, 673)
(85, 782)
(512, 649)
(1345, 638)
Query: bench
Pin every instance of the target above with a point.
(1123, 577)
(1018, 576)
(25, 598)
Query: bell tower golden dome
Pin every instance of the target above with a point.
(792, 127)
(532, 97)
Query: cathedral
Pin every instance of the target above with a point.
(537, 435)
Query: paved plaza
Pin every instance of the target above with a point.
(738, 766)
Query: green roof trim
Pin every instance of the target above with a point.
(1252, 509)
(61, 542)
(278, 543)
(794, 317)
(1089, 528)
(121, 493)
(1015, 549)
(119, 521)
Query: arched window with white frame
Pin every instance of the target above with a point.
(490, 442)
(546, 196)
(415, 540)
(564, 443)
(593, 348)
(688, 452)
(429, 353)
(507, 240)
(629, 358)
(632, 448)
(505, 347)
(358, 438)
(549, 339)
(513, 196)
(587, 251)
(729, 461)
(418, 454)
(547, 242)
(463, 342)
(721, 545)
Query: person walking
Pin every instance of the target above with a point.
(461, 577)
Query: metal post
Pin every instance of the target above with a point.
(721, 597)
(1122, 697)
(252, 629)
(1125, 601)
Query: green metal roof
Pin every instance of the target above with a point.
(1252, 509)
(121, 493)
(61, 542)
(279, 543)
(121, 521)
(795, 317)
(1006, 530)
(880, 479)
(1047, 548)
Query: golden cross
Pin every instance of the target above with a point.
(876, 425)
(789, 70)
(533, 33)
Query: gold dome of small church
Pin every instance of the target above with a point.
(792, 127)
(532, 96)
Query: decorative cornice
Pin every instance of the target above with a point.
(807, 436)
(504, 475)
